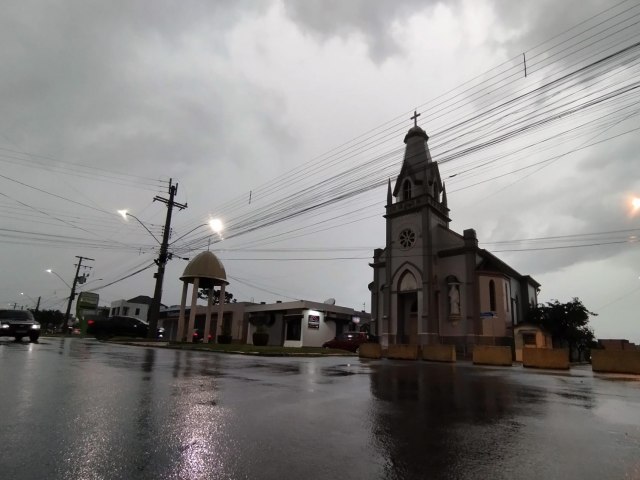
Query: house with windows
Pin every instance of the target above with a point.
(137, 307)
(303, 323)
(300, 323)
(432, 285)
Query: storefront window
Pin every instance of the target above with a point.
(294, 329)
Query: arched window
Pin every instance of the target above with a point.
(492, 296)
(408, 282)
(406, 190)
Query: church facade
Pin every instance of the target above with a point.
(433, 285)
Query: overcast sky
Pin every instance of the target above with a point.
(261, 109)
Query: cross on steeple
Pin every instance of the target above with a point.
(415, 118)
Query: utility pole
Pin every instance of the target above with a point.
(38, 304)
(73, 293)
(161, 261)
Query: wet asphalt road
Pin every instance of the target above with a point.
(80, 409)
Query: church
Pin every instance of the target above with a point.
(432, 285)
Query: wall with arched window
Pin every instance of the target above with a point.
(492, 296)
(406, 190)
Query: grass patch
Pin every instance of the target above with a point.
(274, 351)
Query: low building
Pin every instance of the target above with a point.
(617, 344)
(303, 323)
(137, 307)
(300, 323)
(528, 335)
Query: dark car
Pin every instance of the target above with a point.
(120, 326)
(350, 341)
(19, 324)
(198, 335)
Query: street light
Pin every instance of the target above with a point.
(164, 255)
(35, 302)
(124, 213)
(215, 224)
(72, 295)
(48, 270)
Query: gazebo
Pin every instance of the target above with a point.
(204, 271)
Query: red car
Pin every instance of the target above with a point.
(350, 341)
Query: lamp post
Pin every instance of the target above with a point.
(73, 290)
(164, 255)
(36, 303)
(125, 213)
(48, 270)
(66, 317)
(215, 224)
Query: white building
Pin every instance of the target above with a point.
(303, 323)
(137, 307)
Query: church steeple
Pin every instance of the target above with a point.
(418, 185)
(444, 195)
(416, 158)
(389, 197)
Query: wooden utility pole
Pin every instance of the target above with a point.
(161, 261)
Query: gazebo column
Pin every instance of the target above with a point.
(207, 322)
(221, 310)
(183, 302)
(192, 313)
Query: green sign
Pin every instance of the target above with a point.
(87, 301)
(86, 305)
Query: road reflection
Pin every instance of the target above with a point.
(423, 416)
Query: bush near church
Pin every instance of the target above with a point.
(568, 324)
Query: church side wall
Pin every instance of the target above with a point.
(497, 328)
(515, 299)
(452, 266)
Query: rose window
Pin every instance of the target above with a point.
(407, 238)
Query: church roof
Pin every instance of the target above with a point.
(416, 132)
(489, 263)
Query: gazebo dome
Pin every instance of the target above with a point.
(208, 268)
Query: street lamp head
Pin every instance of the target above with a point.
(216, 225)
(48, 270)
(124, 213)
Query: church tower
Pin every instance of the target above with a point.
(415, 207)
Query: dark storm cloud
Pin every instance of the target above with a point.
(87, 81)
(534, 21)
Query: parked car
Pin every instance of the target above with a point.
(350, 341)
(198, 335)
(19, 324)
(120, 326)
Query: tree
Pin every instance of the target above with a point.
(568, 324)
(204, 292)
(49, 318)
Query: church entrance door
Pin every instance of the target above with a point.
(408, 318)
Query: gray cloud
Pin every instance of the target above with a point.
(370, 18)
